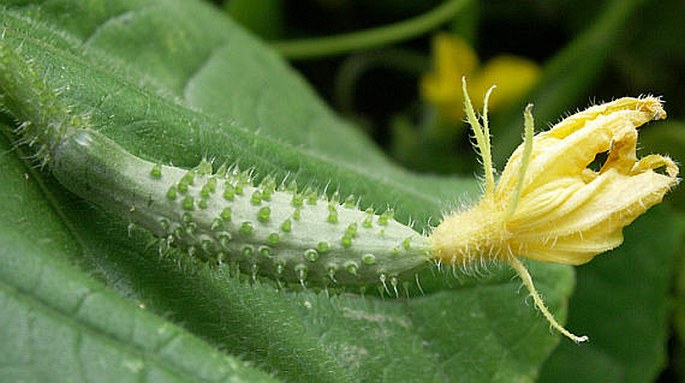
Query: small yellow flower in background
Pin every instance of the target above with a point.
(548, 205)
(453, 58)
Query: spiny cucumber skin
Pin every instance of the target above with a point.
(281, 234)
(317, 245)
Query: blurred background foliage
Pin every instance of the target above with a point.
(398, 79)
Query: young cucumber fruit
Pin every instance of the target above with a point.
(220, 216)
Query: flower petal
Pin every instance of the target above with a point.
(513, 75)
(622, 200)
(452, 59)
(571, 145)
(550, 202)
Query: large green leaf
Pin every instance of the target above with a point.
(175, 81)
(623, 300)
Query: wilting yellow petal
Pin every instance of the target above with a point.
(562, 197)
(561, 200)
(571, 145)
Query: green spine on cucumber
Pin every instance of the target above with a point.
(219, 216)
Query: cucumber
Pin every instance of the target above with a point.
(219, 216)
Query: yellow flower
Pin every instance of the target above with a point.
(548, 205)
(453, 58)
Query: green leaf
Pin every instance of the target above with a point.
(623, 300)
(175, 81)
(679, 322)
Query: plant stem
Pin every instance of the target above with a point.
(318, 47)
